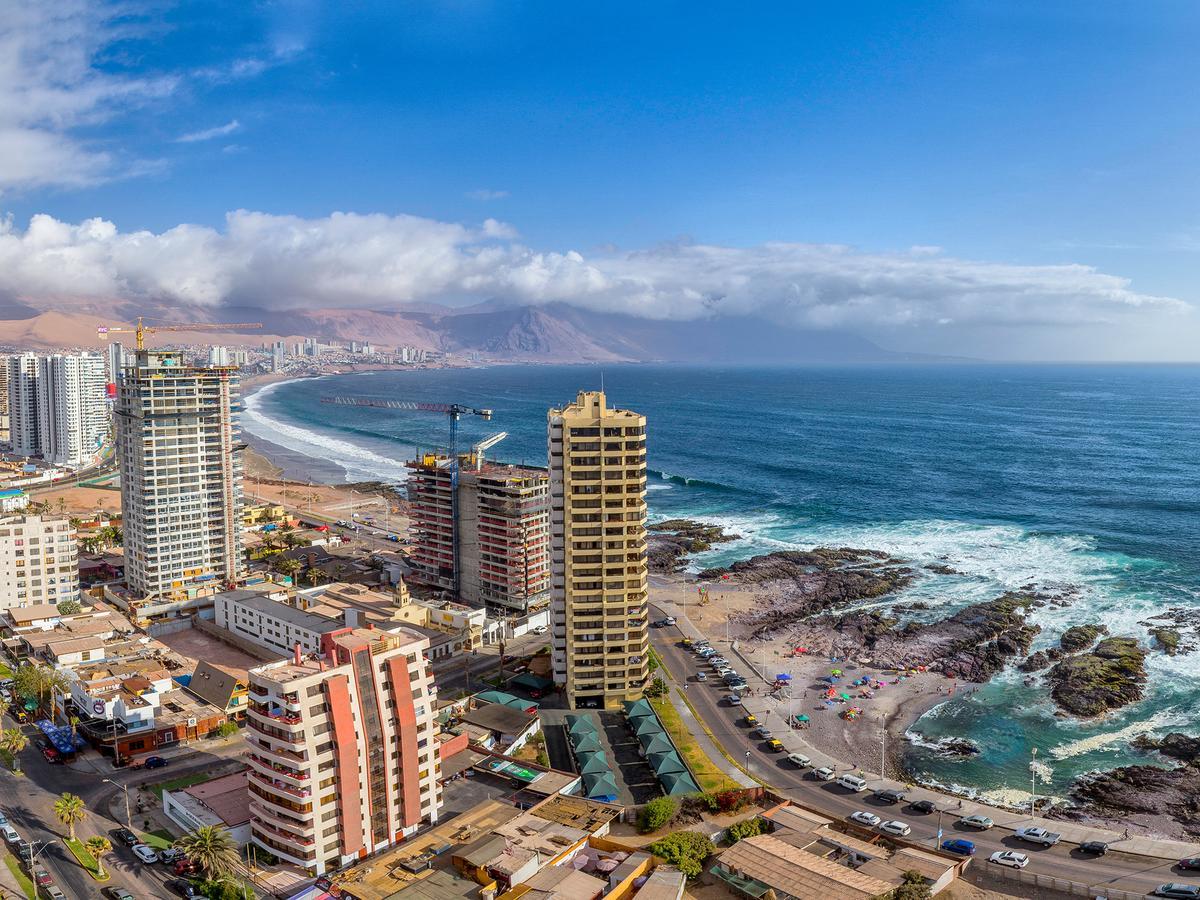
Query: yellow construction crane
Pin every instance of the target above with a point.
(141, 328)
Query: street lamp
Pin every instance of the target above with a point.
(34, 850)
(1033, 784)
(125, 788)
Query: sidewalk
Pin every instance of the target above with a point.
(768, 711)
(704, 741)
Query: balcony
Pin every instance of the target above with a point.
(261, 811)
(275, 715)
(276, 784)
(283, 834)
(261, 746)
(277, 769)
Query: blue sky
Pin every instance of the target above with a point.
(1008, 135)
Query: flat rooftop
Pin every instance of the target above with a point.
(219, 801)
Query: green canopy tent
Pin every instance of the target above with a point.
(577, 726)
(588, 743)
(647, 726)
(638, 709)
(667, 764)
(594, 763)
(600, 786)
(506, 699)
(656, 743)
(678, 785)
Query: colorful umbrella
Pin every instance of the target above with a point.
(802, 718)
(783, 677)
(844, 696)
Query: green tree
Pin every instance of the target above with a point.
(285, 566)
(913, 887)
(313, 576)
(111, 536)
(212, 849)
(70, 810)
(744, 829)
(70, 607)
(686, 850)
(98, 846)
(40, 682)
(12, 742)
(655, 814)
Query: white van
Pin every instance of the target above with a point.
(852, 783)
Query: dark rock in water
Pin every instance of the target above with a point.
(670, 541)
(957, 747)
(1166, 639)
(1080, 637)
(1144, 789)
(1175, 745)
(1040, 660)
(941, 569)
(1107, 678)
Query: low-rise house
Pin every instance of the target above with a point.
(222, 802)
(509, 727)
(40, 616)
(225, 688)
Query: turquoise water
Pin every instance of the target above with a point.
(1081, 477)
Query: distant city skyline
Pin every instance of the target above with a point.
(972, 179)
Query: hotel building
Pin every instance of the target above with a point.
(598, 550)
(181, 476)
(503, 532)
(342, 754)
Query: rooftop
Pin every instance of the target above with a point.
(498, 717)
(38, 612)
(227, 799)
(789, 869)
(284, 612)
(589, 815)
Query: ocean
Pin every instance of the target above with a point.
(1056, 476)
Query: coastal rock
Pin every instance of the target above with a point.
(1040, 660)
(1080, 637)
(941, 569)
(1108, 677)
(1166, 639)
(803, 583)
(1178, 746)
(672, 540)
(1151, 790)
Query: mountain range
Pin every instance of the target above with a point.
(551, 333)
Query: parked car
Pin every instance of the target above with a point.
(1010, 858)
(155, 762)
(117, 893)
(702, 676)
(889, 796)
(896, 827)
(170, 855)
(539, 629)
(144, 853)
(923, 806)
(823, 774)
(799, 760)
(1096, 848)
(722, 671)
(185, 889)
(9, 834)
(51, 755)
(852, 783)
(186, 867)
(775, 745)
(865, 818)
(762, 731)
(53, 892)
(41, 877)
(3, 819)
(126, 837)
(958, 845)
(1177, 891)
(669, 620)
(735, 699)
(1191, 864)
(983, 823)
(659, 623)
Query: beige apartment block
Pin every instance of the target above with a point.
(39, 561)
(598, 551)
(342, 754)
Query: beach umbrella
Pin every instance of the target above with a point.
(837, 673)
(589, 743)
(844, 696)
(801, 718)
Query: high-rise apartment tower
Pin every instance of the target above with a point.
(181, 475)
(598, 551)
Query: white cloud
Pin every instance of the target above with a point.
(352, 260)
(208, 134)
(485, 194)
(49, 87)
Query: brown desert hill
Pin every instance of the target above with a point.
(53, 330)
(525, 333)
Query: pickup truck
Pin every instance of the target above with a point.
(1038, 836)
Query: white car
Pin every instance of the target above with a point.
(896, 827)
(983, 823)
(799, 760)
(1010, 858)
(9, 834)
(865, 818)
(144, 853)
(540, 629)
(824, 774)
(735, 699)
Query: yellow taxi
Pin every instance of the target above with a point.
(751, 720)
(774, 745)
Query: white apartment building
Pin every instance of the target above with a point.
(72, 412)
(23, 404)
(116, 361)
(266, 619)
(218, 356)
(598, 551)
(342, 750)
(39, 561)
(181, 476)
(4, 399)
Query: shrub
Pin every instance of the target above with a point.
(744, 829)
(655, 814)
(686, 850)
(914, 887)
(658, 688)
(226, 728)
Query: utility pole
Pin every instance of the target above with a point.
(883, 748)
(1033, 784)
(125, 788)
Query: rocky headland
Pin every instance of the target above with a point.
(670, 542)
(1108, 677)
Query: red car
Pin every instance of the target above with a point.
(42, 877)
(51, 755)
(186, 867)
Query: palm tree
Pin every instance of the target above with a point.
(285, 566)
(313, 576)
(212, 849)
(98, 846)
(12, 742)
(69, 810)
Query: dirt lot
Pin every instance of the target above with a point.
(197, 645)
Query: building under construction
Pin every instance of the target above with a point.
(503, 531)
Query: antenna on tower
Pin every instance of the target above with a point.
(602, 381)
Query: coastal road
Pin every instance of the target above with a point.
(710, 700)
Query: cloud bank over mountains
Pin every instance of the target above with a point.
(379, 261)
